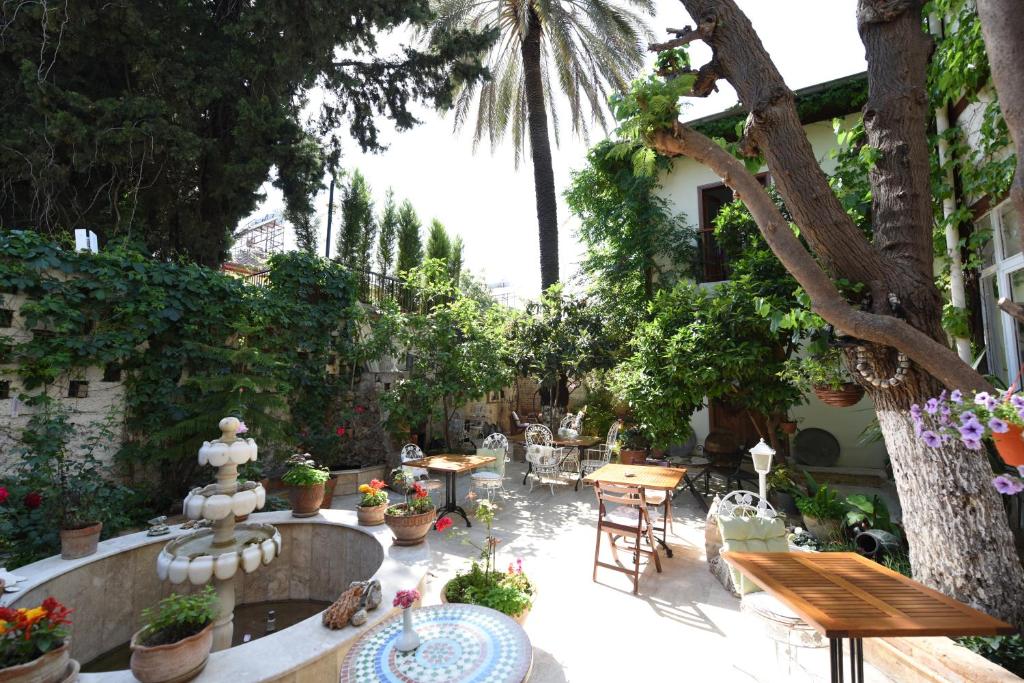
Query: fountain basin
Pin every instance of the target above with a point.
(194, 558)
(321, 556)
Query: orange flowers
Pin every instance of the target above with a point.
(27, 633)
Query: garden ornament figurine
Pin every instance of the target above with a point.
(158, 526)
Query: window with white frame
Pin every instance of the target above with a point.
(1002, 275)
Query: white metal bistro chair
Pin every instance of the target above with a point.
(542, 458)
(491, 480)
(411, 451)
(599, 456)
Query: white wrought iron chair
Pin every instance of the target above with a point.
(411, 451)
(492, 480)
(600, 455)
(543, 459)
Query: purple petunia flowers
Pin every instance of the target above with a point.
(931, 439)
(1008, 486)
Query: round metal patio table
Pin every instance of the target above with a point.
(458, 644)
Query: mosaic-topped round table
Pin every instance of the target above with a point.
(458, 644)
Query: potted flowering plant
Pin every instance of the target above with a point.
(176, 640)
(34, 643)
(509, 592)
(371, 507)
(410, 521)
(952, 416)
(306, 480)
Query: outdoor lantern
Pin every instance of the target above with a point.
(762, 454)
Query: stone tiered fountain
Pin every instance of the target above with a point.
(218, 553)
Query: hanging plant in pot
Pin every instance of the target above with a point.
(825, 374)
(410, 521)
(971, 419)
(34, 644)
(175, 643)
(306, 481)
(372, 504)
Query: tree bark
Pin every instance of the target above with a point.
(959, 535)
(1002, 25)
(540, 150)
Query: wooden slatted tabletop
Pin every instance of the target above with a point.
(845, 595)
(648, 476)
(450, 462)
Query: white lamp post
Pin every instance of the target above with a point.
(762, 454)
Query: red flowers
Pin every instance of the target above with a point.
(377, 484)
(443, 524)
(360, 409)
(419, 491)
(33, 500)
(4, 495)
(340, 431)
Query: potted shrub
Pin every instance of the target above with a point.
(78, 502)
(410, 521)
(176, 640)
(633, 445)
(825, 374)
(953, 416)
(372, 504)
(509, 592)
(306, 481)
(783, 491)
(34, 644)
(822, 511)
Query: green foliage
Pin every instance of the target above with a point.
(410, 244)
(388, 222)
(177, 617)
(824, 370)
(358, 226)
(822, 501)
(871, 510)
(1006, 651)
(181, 133)
(651, 105)
(439, 245)
(303, 471)
(459, 351)
(510, 592)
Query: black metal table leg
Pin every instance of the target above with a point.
(857, 660)
(693, 489)
(450, 504)
(835, 647)
(529, 468)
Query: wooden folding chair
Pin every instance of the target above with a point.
(627, 519)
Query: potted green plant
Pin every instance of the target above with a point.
(782, 490)
(410, 521)
(306, 481)
(510, 592)
(822, 511)
(372, 504)
(176, 640)
(825, 374)
(633, 444)
(34, 644)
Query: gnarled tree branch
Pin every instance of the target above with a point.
(684, 36)
(826, 301)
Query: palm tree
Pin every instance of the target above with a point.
(587, 47)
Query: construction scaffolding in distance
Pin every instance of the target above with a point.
(257, 240)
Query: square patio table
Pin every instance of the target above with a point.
(846, 595)
(451, 465)
(654, 477)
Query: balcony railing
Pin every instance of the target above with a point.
(371, 288)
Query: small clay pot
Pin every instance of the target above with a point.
(173, 662)
(329, 487)
(371, 515)
(410, 529)
(788, 427)
(49, 668)
(630, 457)
(306, 500)
(76, 543)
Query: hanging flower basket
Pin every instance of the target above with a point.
(1010, 445)
(843, 397)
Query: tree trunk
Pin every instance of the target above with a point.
(540, 149)
(1002, 24)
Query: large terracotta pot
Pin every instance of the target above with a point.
(76, 543)
(306, 500)
(518, 618)
(843, 397)
(329, 492)
(628, 457)
(410, 529)
(371, 515)
(788, 427)
(173, 662)
(49, 668)
(827, 530)
(1010, 446)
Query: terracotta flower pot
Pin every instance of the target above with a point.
(76, 543)
(518, 618)
(410, 529)
(788, 427)
(843, 397)
(1010, 446)
(173, 662)
(49, 668)
(630, 457)
(371, 515)
(306, 500)
(329, 492)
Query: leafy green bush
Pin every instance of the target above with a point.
(508, 592)
(177, 617)
(1006, 651)
(303, 471)
(822, 504)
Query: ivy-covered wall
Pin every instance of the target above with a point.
(168, 348)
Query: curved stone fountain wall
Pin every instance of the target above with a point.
(320, 556)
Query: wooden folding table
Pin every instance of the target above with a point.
(845, 595)
(451, 465)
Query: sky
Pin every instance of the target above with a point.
(483, 197)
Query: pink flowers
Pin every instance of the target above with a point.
(443, 523)
(242, 428)
(360, 409)
(4, 495)
(517, 568)
(405, 599)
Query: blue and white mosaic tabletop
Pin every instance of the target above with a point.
(458, 644)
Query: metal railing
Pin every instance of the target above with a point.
(371, 288)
